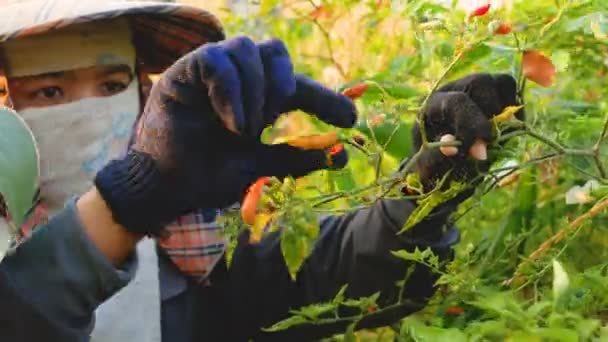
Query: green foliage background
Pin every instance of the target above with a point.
(401, 49)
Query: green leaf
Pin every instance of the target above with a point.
(287, 323)
(314, 311)
(339, 297)
(556, 334)
(522, 213)
(561, 60)
(341, 180)
(18, 165)
(349, 335)
(431, 333)
(362, 303)
(472, 56)
(301, 228)
(430, 202)
(561, 281)
(396, 137)
(426, 256)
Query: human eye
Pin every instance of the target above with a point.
(110, 88)
(38, 91)
(47, 95)
(115, 83)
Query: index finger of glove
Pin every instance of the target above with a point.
(454, 113)
(224, 86)
(282, 160)
(280, 78)
(245, 56)
(322, 102)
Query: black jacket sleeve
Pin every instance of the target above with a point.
(353, 249)
(20, 321)
(51, 283)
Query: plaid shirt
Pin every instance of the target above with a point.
(195, 242)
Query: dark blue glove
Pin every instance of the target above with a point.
(198, 142)
(463, 108)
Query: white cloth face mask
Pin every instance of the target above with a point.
(77, 139)
(5, 236)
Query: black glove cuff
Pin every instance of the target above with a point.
(135, 191)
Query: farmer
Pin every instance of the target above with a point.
(194, 150)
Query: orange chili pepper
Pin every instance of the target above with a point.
(503, 29)
(355, 91)
(250, 203)
(454, 310)
(314, 142)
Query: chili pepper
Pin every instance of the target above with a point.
(480, 11)
(503, 29)
(454, 310)
(355, 91)
(332, 152)
(376, 120)
(312, 142)
(336, 149)
(250, 203)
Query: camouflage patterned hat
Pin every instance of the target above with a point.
(162, 32)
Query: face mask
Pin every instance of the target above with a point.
(77, 139)
(5, 234)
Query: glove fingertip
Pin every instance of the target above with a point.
(282, 80)
(223, 82)
(337, 157)
(322, 102)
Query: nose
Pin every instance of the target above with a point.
(83, 91)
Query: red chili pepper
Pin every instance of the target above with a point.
(454, 310)
(250, 203)
(337, 148)
(376, 120)
(320, 12)
(355, 91)
(503, 29)
(479, 11)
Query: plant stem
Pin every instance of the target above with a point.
(548, 244)
(420, 117)
(596, 150)
(328, 42)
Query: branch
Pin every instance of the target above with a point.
(328, 41)
(547, 245)
(420, 117)
(596, 150)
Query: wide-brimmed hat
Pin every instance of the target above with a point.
(162, 32)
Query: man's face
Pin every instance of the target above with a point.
(68, 86)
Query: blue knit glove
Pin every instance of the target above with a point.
(198, 140)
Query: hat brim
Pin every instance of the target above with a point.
(162, 32)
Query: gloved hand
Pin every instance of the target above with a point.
(463, 109)
(198, 144)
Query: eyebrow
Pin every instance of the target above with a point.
(114, 69)
(106, 70)
(56, 74)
